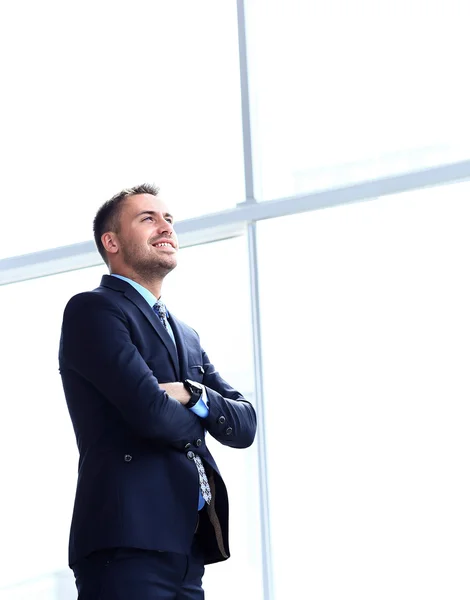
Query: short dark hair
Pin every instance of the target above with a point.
(108, 215)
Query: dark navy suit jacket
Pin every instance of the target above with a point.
(137, 480)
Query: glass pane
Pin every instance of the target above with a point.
(39, 472)
(218, 307)
(374, 350)
(55, 586)
(346, 91)
(107, 95)
(37, 437)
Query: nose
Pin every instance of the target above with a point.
(164, 226)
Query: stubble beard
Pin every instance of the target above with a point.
(147, 267)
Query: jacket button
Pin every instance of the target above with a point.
(228, 431)
(221, 420)
(188, 446)
(190, 455)
(128, 458)
(198, 443)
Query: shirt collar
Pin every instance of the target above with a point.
(144, 292)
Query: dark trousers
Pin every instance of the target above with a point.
(132, 574)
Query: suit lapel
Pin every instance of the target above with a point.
(182, 347)
(133, 295)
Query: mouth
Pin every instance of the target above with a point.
(165, 244)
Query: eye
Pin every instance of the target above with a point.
(169, 220)
(147, 218)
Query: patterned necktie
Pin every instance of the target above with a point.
(160, 310)
(203, 482)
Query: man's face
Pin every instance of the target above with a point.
(147, 241)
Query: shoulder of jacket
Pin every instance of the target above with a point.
(97, 297)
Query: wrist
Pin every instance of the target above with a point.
(195, 390)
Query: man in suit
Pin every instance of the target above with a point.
(151, 507)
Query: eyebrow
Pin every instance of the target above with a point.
(153, 213)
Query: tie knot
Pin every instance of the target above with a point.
(160, 309)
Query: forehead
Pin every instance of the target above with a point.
(133, 205)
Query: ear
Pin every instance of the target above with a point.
(110, 242)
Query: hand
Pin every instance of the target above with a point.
(177, 391)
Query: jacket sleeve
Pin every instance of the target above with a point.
(96, 343)
(231, 419)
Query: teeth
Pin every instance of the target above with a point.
(164, 244)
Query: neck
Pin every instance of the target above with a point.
(152, 284)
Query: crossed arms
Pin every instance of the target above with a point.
(96, 344)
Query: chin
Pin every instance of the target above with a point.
(167, 265)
